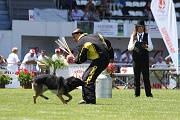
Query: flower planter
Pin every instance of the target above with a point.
(29, 86)
(2, 86)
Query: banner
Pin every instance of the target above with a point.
(165, 17)
(106, 29)
(50, 15)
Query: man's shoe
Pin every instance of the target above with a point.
(150, 95)
(136, 95)
(82, 102)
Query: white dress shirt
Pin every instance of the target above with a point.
(131, 44)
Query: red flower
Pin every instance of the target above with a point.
(110, 69)
(17, 73)
(24, 76)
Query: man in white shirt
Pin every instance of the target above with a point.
(126, 57)
(76, 14)
(29, 61)
(13, 57)
(160, 63)
(41, 58)
(58, 55)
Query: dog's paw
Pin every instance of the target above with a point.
(66, 101)
(47, 98)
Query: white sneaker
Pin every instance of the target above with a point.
(82, 102)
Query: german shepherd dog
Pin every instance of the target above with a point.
(57, 85)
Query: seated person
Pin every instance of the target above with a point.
(104, 9)
(151, 61)
(76, 14)
(126, 57)
(96, 16)
(160, 63)
(120, 4)
(147, 10)
(70, 15)
(90, 6)
(169, 60)
(86, 15)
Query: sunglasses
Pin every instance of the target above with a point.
(140, 26)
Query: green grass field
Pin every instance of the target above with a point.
(17, 104)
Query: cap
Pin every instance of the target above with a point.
(140, 23)
(76, 31)
(57, 50)
(32, 51)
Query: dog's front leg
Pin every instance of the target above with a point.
(69, 96)
(61, 98)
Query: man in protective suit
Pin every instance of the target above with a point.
(91, 47)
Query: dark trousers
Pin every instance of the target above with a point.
(141, 66)
(90, 76)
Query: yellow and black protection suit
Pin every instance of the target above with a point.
(91, 47)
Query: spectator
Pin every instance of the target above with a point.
(37, 53)
(58, 54)
(39, 64)
(151, 61)
(69, 58)
(29, 61)
(160, 63)
(123, 3)
(112, 5)
(66, 4)
(116, 57)
(86, 15)
(96, 16)
(91, 6)
(147, 10)
(119, 4)
(126, 57)
(13, 57)
(168, 60)
(70, 15)
(2, 60)
(104, 9)
(76, 14)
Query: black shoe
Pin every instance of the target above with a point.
(150, 95)
(136, 95)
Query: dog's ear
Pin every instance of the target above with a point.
(61, 78)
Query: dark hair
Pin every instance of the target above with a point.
(77, 31)
(36, 48)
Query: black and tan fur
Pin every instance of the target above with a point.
(57, 85)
